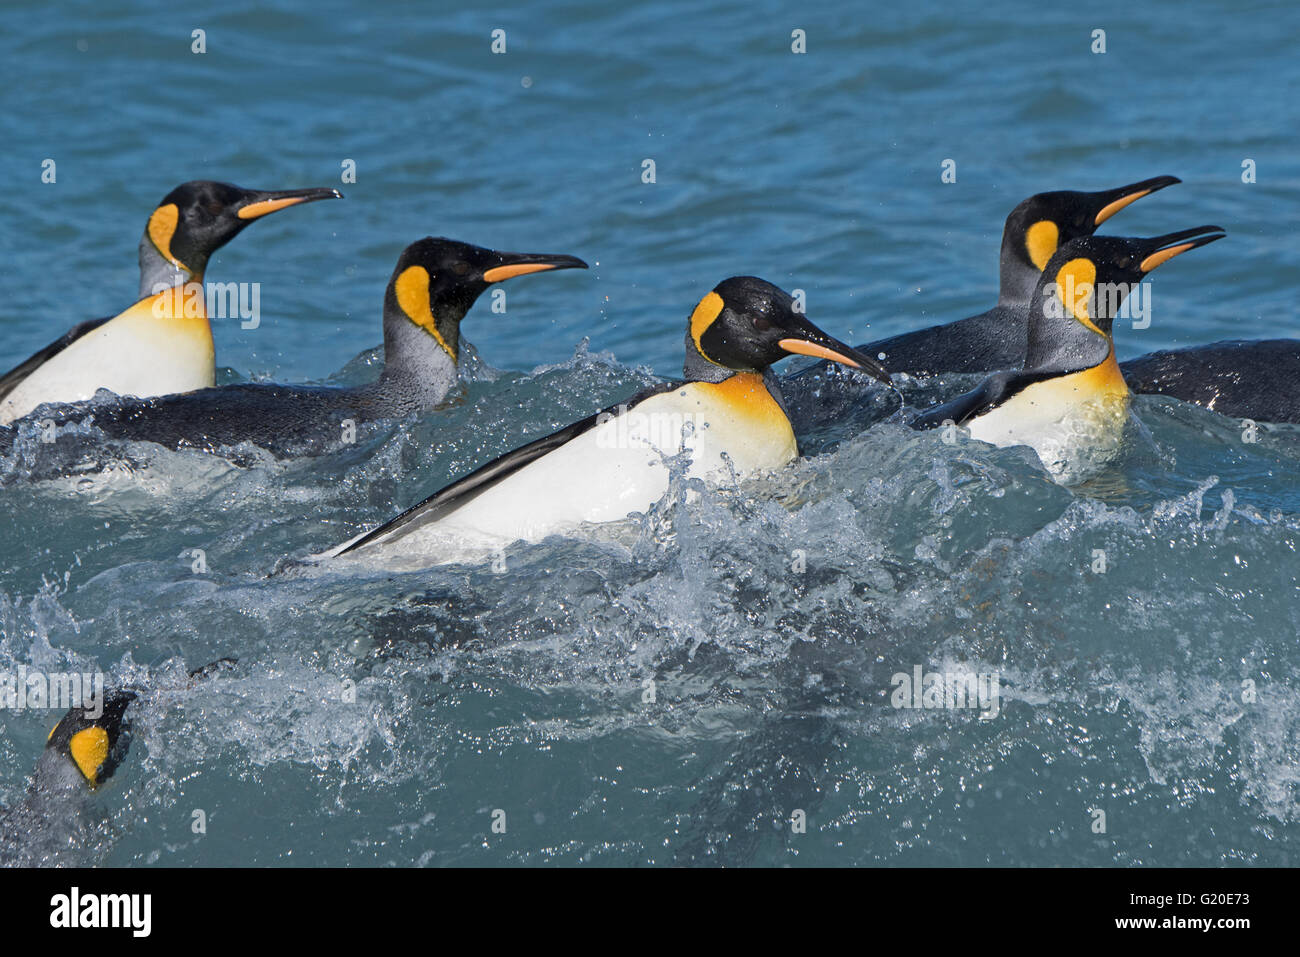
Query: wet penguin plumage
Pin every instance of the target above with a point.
(82, 752)
(612, 464)
(996, 339)
(163, 342)
(433, 286)
(84, 749)
(1069, 401)
(1242, 378)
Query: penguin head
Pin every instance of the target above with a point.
(1045, 222)
(197, 218)
(94, 746)
(1085, 283)
(745, 324)
(437, 281)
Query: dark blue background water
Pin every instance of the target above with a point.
(818, 171)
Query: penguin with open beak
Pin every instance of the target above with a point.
(996, 339)
(1069, 401)
(723, 415)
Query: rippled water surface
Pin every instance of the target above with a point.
(674, 690)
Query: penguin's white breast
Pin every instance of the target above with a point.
(614, 469)
(1070, 421)
(141, 352)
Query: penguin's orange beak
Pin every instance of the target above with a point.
(266, 202)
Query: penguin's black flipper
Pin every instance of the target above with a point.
(11, 379)
(484, 477)
(475, 483)
(213, 668)
(989, 394)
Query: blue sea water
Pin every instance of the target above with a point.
(1161, 691)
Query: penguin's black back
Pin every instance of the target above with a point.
(1243, 378)
(989, 342)
(287, 421)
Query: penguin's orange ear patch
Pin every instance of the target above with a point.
(162, 229)
(1041, 241)
(1074, 285)
(709, 309)
(412, 291)
(89, 749)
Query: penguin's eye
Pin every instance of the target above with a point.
(460, 268)
(1123, 262)
(214, 209)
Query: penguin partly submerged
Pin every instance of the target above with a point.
(84, 749)
(1242, 378)
(1069, 400)
(997, 338)
(162, 343)
(724, 414)
(433, 286)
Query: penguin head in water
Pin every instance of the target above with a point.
(197, 218)
(93, 746)
(437, 281)
(745, 324)
(1083, 286)
(1045, 222)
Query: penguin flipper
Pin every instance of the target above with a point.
(461, 491)
(989, 394)
(11, 379)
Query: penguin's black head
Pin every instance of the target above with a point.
(1088, 278)
(437, 280)
(1045, 222)
(197, 218)
(746, 324)
(94, 745)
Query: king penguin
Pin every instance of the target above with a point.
(724, 414)
(1069, 401)
(82, 752)
(162, 343)
(433, 286)
(1242, 378)
(996, 339)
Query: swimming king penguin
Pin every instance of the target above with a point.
(996, 339)
(85, 749)
(1069, 401)
(434, 284)
(162, 343)
(612, 464)
(1241, 378)
(82, 752)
